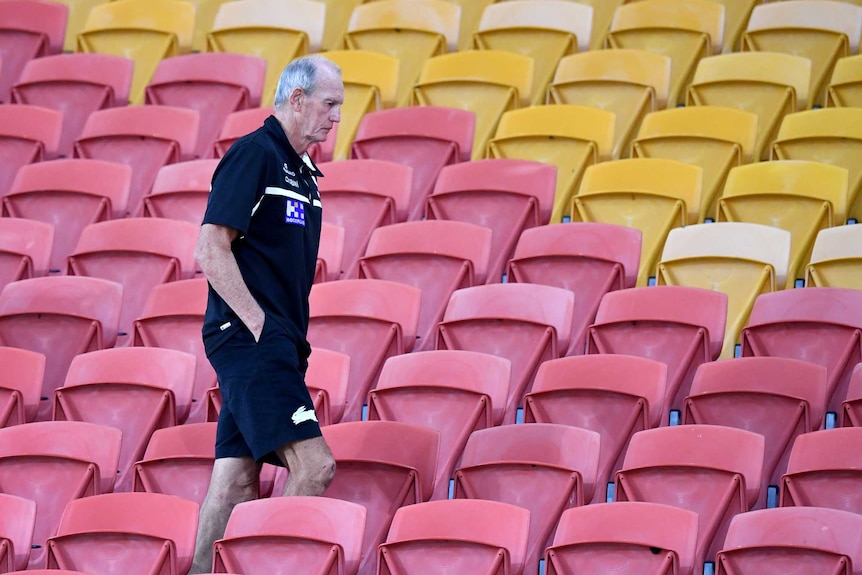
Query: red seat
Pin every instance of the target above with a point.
(28, 134)
(17, 521)
(237, 125)
(25, 249)
(20, 385)
(330, 255)
(851, 408)
(181, 191)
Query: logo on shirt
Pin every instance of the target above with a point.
(302, 414)
(295, 212)
(287, 170)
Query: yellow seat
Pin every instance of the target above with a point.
(370, 84)
(471, 13)
(485, 82)
(821, 30)
(276, 30)
(683, 30)
(569, 137)
(410, 30)
(714, 138)
(145, 31)
(736, 15)
(603, 14)
(830, 136)
(337, 17)
(205, 14)
(544, 30)
(742, 260)
(845, 86)
(800, 197)
(650, 194)
(836, 260)
(770, 85)
(78, 12)
(629, 83)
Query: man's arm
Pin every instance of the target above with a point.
(217, 261)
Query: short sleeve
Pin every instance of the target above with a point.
(237, 185)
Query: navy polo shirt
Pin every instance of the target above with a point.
(265, 191)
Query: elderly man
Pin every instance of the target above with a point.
(258, 248)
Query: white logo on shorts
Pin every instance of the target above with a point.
(302, 415)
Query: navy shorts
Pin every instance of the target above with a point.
(265, 402)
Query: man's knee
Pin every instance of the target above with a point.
(311, 465)
(234, 481)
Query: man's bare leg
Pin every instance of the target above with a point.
(310, 466)
(234, 480)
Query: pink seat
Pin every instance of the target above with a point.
(28, 134)
(330, 255)
(181, 191)
(25, 249)
(17, 521)
(851, 408)
(20, 385)
(237, 125)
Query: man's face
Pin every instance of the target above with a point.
(322, 108)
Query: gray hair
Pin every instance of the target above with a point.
(301, 73)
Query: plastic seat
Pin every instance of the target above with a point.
(685, 31)
(17, 521)
(688, 321)
(451, 391)
(485, 82)
(143, 137)
(360, 196)
(590, 259)
(544, 467)
(53, 463)
(28, 134)
(59, 317)
(628, 83)
(802, 197)
(264, 535)
(843, 88)
(29, 30)
(425, 138)
(829, 136)
(545, 31)
(568, 137)
(802, 539)
(470, 535)
(146, 32)
(20, 385)
(507, 196)
(136, 389)
(122, 532)
(330, 254)
(770, 85)
(851, 408)
(715, 138)
(820, 325)
(742, 260)
(369, 320)
(712, 470)
(408, 30)
(821, 32)
(652, 195)
(213, 84)
(613, 395)
(524, 323)
(180, 191)
(776, 397)
(382, 465)
(238, 124)
(69, 195)
(435, 256)
(630, 538)
(75, 85)
(25, 249)
(276, 30)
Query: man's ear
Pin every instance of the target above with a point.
(296, 99)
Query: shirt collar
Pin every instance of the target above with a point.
(304, 163)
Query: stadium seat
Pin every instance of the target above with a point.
(17, 521)
(69, 195)
(613, 395)
(369, 320)
(180, 191)
(843, 88)
(712, 470)
(118, 533)
(712, 137)
(75, 85)
(425, 138)
(768, 84)
(467, 535)
(451, 391)
(52, 463)
(776, 397)
(683, 30)
(361, 195)
(28, 134)
(435, 256)
(688, 321)
(742, 260)
(25, 249)
(20, 385)
(265, 535)
(851, 412)
(524, 323)
(238, 124)
(652, 195)
(628, 83)
(544, 467)
(626, 538)
(146, 32)
(820, 325)
(507, 196)
(568, 137)
(330, 256)
(59, 317)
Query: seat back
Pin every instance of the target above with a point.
(180, 191)
(28, 134)
(238, 124)
(843, 85)
(25, 249)
(17, 522)
(29, 30)
(20, 385)
(835, 258)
